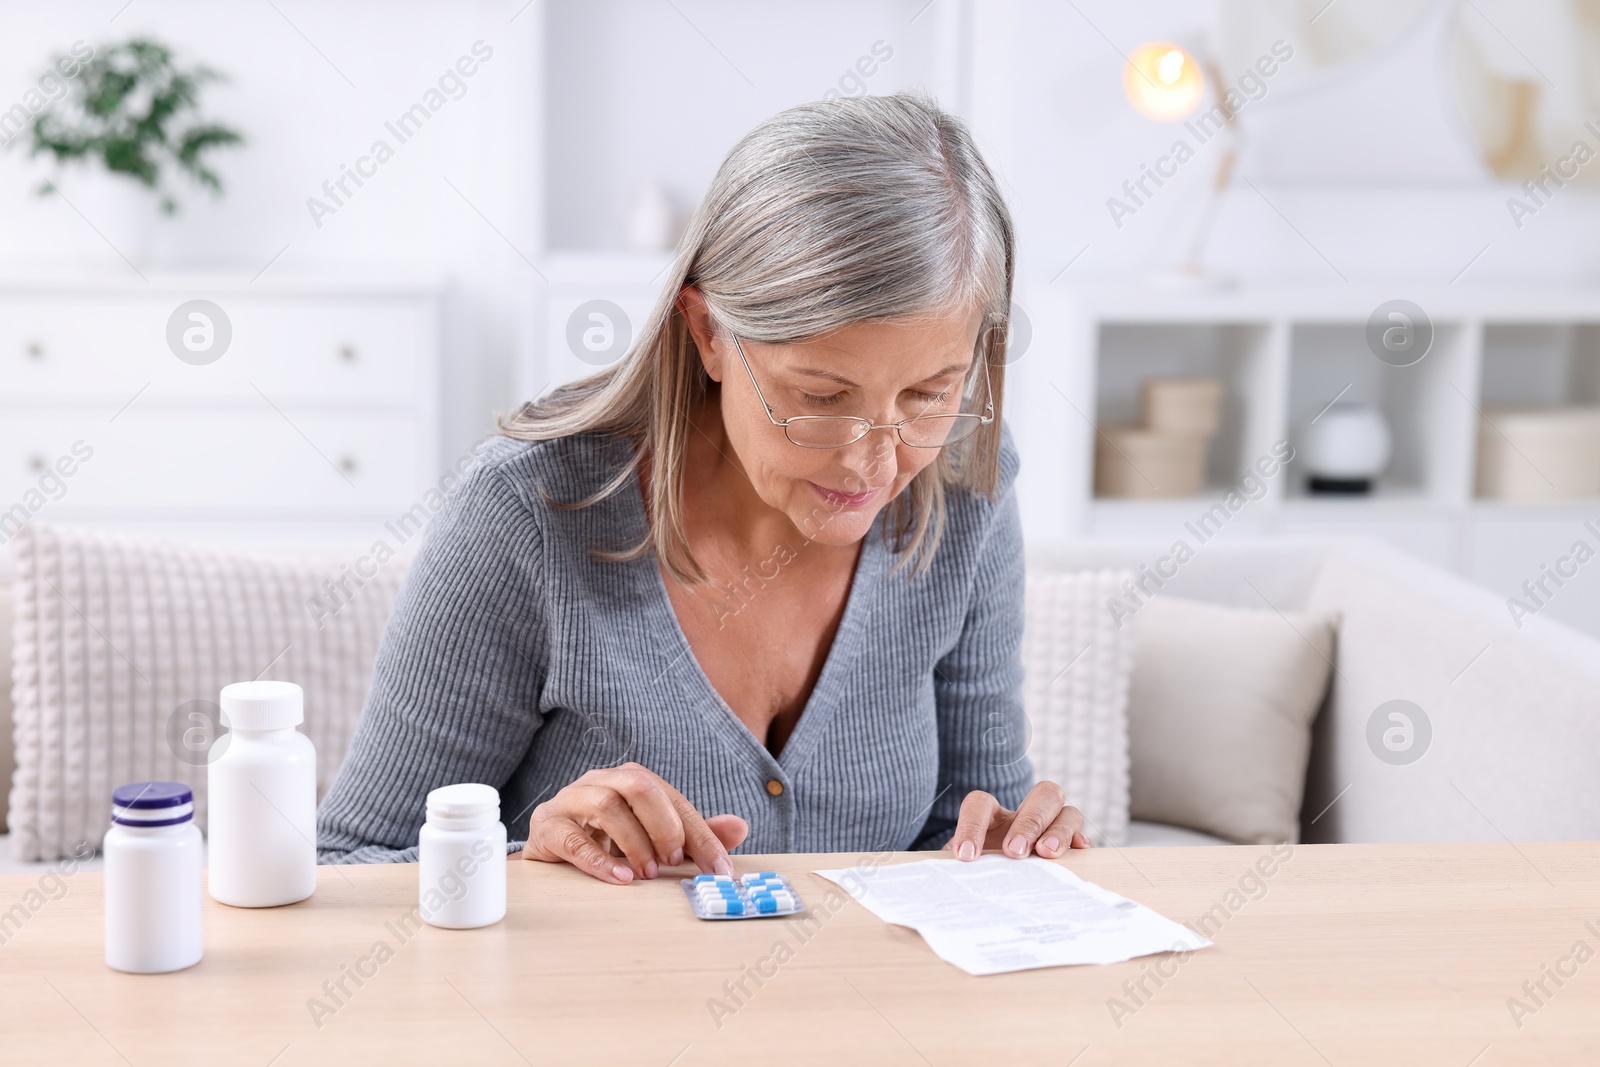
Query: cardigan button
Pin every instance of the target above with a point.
(774, 787)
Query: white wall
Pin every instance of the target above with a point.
(638, 91)
(646, 91)
(1068, 141)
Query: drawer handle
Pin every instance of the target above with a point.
(34, 349)
(37, 462)
(348, 464)
(347, 353)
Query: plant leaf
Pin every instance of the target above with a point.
(127, 117)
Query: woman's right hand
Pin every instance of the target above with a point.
(622, 823)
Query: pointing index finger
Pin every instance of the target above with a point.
(699, 843)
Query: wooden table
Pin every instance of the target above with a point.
(1346, 954)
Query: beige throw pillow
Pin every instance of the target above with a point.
(1219, 716)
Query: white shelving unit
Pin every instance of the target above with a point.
(1284, 354)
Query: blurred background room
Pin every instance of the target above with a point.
(379, 320)
(1289, 269)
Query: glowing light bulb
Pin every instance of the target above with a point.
(1169, 68)
(1162, 81)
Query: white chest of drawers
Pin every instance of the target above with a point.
(319, 420)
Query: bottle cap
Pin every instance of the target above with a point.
(152, 804)
(262, 705)
(466, 806)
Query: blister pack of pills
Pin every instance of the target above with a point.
(749, 896)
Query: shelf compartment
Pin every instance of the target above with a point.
(1551, 372)
(1540, 364)
(1239, 354)
(1428, 406)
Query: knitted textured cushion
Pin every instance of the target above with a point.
(1076, 668)
(121, 648)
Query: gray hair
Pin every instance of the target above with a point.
(828, 214)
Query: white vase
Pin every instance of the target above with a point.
(1346, 448)
(125, 214)
(650, 220)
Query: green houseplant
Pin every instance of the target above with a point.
(136, 113)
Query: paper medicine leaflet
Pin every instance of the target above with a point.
(994, 914)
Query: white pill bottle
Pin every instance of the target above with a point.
(262, 799)
(152, 879)
(461, 873)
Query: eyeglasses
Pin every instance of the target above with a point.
(837, 431)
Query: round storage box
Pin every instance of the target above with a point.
(1548, 453)
(1134, 462)
(1191, 406)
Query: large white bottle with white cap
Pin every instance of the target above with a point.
(262, 799)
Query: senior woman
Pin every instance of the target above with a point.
(759, 584)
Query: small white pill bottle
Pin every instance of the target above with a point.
(461, 873)
(262, 799)
(152, 879)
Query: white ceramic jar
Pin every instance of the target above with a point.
(1346, 448)
(262, 799)
(152, 879)
(462, 858)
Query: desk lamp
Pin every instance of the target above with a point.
(1166, 82)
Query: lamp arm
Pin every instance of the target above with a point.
(1220, 181)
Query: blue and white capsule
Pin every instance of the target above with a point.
(724, 906)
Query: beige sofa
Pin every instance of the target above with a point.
(1515, 712)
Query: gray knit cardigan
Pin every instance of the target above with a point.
(514, 658)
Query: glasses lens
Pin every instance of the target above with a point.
(825, 431)
(935, 431)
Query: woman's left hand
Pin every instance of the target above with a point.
(1045, 824)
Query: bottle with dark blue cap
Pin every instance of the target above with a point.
(153, 880)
